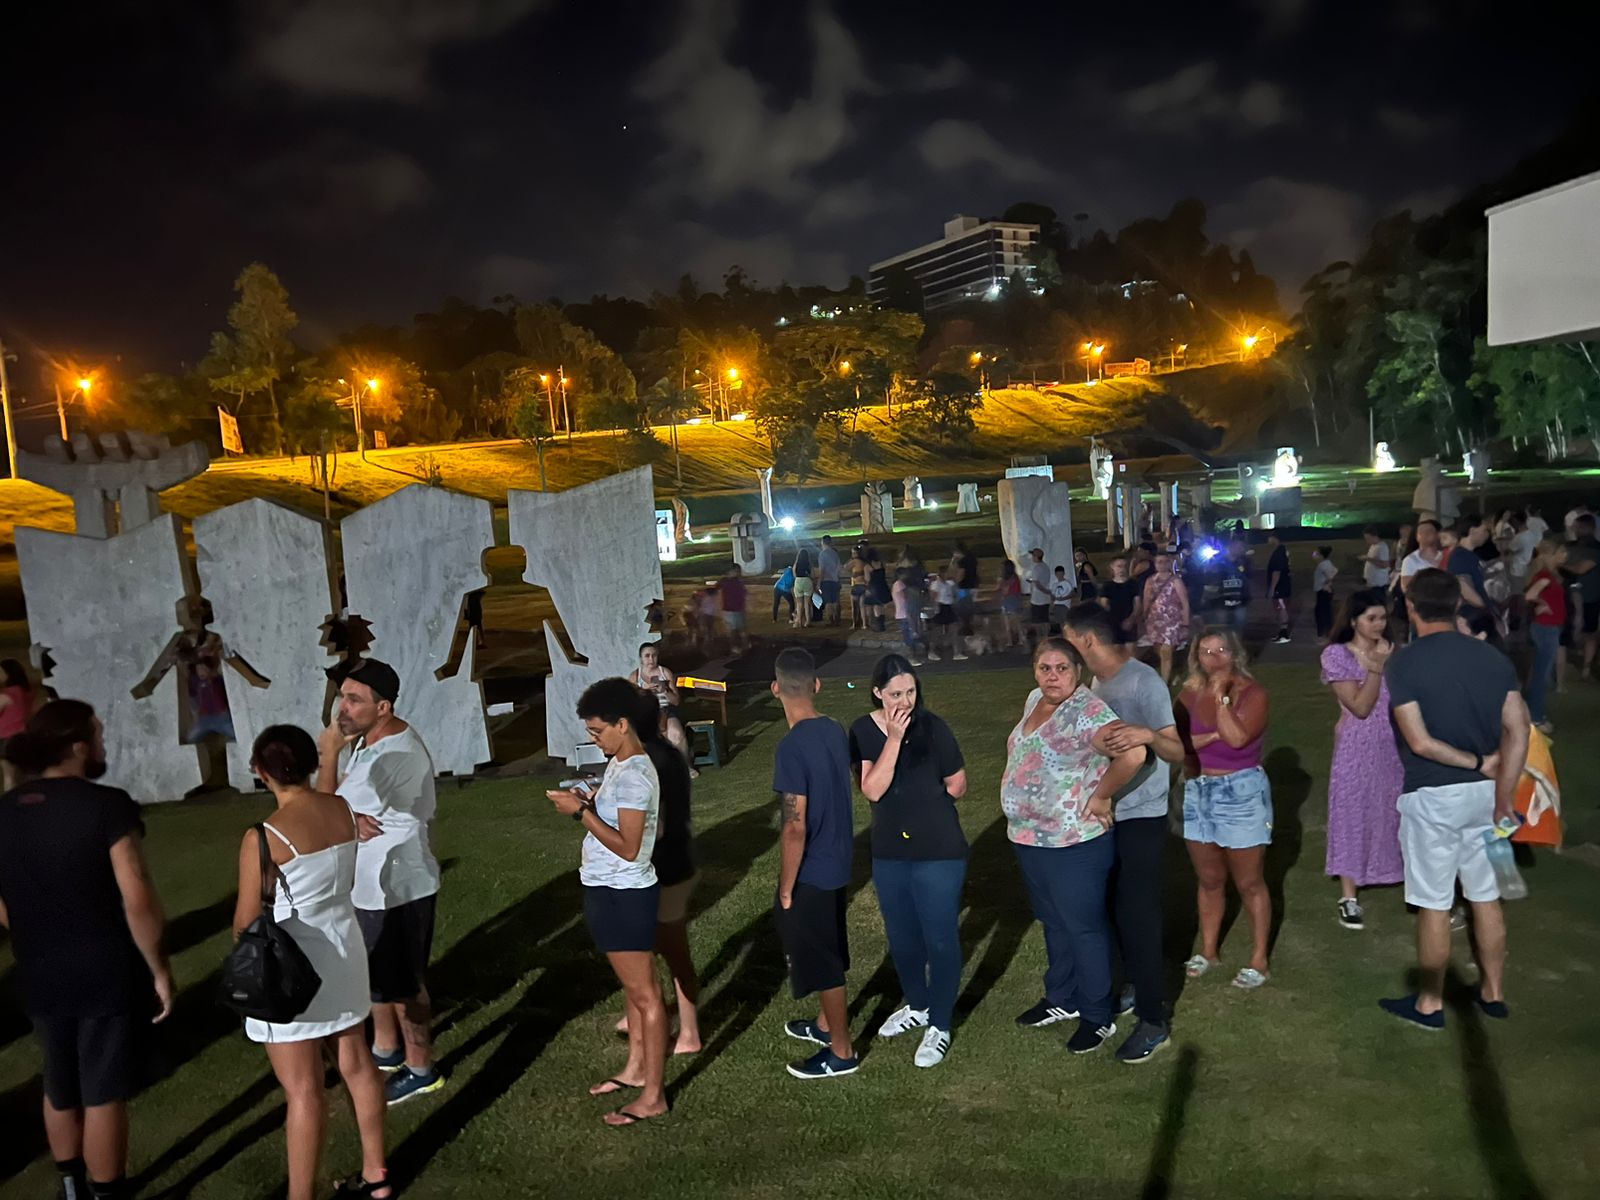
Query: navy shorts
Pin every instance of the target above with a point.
(829, 590)
(622, 919)
(812, 930)
(399, 944)
(90, 1061)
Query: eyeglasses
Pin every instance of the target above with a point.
(1216, 652)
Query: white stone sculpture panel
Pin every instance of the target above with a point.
(266, 571)
(752, 543)
(593, 548)
(105, 609)
(966, 498)
(1035, 511)
(409, 562)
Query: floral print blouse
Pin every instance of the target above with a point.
(1052, 772)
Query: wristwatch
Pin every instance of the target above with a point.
(582, 808)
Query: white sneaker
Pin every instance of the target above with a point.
(902, 1019)
(935, 1045)
(933, 656)
(961, 658)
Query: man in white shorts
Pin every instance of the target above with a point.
(1462, 730)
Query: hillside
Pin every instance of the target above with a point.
(724, 459)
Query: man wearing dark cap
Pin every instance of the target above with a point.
(388, 782)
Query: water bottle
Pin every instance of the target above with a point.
(1504, 864)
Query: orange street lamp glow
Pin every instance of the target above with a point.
(733, 372)
(977, 358)
(544, 379)
(1088, 345)
(372, 385)
(844, 367)
(1098, 350)
(1249, 342)
(85, 384)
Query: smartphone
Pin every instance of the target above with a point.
(584, 787)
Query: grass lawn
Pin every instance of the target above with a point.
(1302, 1089)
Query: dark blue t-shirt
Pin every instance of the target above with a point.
(1468, 565)
(813, 761)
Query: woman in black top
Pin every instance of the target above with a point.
(909, 765)
(1087, 574)
(878, 595)
(676, 872)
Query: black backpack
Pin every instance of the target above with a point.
(266, 975)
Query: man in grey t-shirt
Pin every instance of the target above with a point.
(1144, 710)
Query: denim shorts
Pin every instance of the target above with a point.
(1232, 811)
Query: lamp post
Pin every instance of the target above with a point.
(566, 407)
(1093, 356)
(549, 398)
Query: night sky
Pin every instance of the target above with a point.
(381, 155)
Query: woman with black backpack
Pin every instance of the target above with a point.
(308, 853)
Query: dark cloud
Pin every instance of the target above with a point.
(1194, 97)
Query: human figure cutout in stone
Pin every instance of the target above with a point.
(913, 491)
(966, 498)
(680, 521)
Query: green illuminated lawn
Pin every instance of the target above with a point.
(1301, 1090)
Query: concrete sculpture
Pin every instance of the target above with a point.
(1383, 458)
(107, 611)
(1035, 511)
(1475, 463)
(602, 573)
(409, 562)
(966, 498)
(268, 574)
(913, 491)
(752, 543)
(764, 478)
(877, 509)
(680, 521)
(120, 475)
(1433, 496)
(1129, 505)
(1169, 506)
(1286, 468)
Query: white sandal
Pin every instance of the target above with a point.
(1249, 978)
(1199, 965)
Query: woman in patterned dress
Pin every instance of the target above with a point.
(1056, 795)
(1166, 612)
(1365, 779)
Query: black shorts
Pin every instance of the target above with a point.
(1591, 617)
(399, 944)
(815, 942)
(1038, 614)
(89, 1061)
(622, 919)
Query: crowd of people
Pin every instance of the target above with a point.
(1430, 744)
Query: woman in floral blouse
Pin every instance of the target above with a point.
(1057, 792)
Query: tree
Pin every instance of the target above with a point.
(945, 407)
(168, 404)
(526, 393)
(256, 352)
(1545, 393)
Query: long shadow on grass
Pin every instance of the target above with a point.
(1495, 1139)
(997, 909)
(1158, 1178)
(537, 931)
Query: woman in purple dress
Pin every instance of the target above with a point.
(1364, 781)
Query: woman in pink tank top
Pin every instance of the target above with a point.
(1227, 802)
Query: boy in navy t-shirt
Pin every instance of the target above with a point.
(812, 778)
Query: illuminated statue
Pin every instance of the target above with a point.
(1383, 458)
(1286, 468)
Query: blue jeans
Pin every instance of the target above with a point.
(1546, 648)
(1067, 887)
(921, 903)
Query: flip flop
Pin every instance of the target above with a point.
(629, 1118)
(1199, 965)
(616, 1085)
(1249, 978)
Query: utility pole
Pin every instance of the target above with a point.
(61, 411)
(5, 401)
(566, 409)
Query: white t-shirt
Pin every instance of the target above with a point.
(1538, 526)
(1523, 543)
(632, 783)
(1061, 590)
(1322, 575)
(1039, 577)
(1375, 571)
(944, 590)
(392, 782)
(1416, 561)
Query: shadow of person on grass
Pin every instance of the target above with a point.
(543, 931)
(997, 909)
(1174, 1113)
(1495, 1138)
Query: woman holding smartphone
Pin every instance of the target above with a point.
(621, 897)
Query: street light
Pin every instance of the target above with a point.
(844, 367)
(85, 384)
(1092, 357)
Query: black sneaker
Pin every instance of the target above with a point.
(1143, 1042)
(1044, 1013)
(1126, 1001)
(1405, 1007)
(1089, 1038)
(1351, 915)
(807, 1031)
